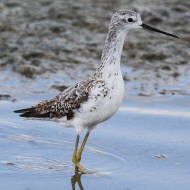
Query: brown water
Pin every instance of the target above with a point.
(46, 44)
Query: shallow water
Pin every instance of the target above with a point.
(144, 146)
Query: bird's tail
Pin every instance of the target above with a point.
(31, 113)
(28, 112)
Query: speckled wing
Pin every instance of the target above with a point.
(62, 105)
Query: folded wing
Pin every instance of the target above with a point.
(62, 105)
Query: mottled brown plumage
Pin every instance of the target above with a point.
(62, 105)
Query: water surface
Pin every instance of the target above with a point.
(144, 146)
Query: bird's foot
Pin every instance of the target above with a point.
(77, 164)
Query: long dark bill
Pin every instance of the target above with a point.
(145, 26)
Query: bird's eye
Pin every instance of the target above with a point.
(130, 20)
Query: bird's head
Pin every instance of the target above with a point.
(127, 20)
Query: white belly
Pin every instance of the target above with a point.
(101, 105)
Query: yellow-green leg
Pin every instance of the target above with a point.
(82, 146)
(77, 156)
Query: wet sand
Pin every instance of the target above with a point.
(39, 39)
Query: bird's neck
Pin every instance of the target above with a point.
(113, 47)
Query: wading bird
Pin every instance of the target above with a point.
(98, 97)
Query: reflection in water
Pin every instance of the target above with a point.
(76, 178)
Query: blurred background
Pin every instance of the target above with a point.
(45, 44)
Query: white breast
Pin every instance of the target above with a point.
(102, 102)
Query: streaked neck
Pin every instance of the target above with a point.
(113, 47)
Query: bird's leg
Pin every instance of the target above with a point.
(74, 159)
(76, 147)
(82, 146)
